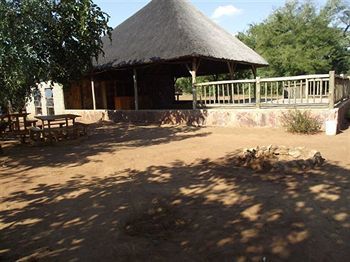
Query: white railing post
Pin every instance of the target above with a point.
(293, 85)
(258, 92)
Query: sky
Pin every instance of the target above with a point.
(233, 15)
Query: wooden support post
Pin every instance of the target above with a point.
(254, 70)
(104, 95)
(193, 72)
(331, 94)
(231, 68)
(93, 93)
(194, 78)
(136, 95)
(258, 92)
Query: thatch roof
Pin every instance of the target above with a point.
(168, 30)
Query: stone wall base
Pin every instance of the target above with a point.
(211, 117)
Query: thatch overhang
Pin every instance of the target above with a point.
(174, 32)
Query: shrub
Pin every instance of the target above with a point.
(296, 121)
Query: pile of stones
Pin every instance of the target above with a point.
(279, 158)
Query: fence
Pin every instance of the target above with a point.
(308, 90)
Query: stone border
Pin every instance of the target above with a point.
(278, 158)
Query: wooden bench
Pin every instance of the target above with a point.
(55, 134)
(35, 133)
(81, 128)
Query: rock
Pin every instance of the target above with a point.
(272, 148)
(263, 148)
(260, 154)
(313, 153)
(252, 150)
(279, 159)
(294, 153)
(282, 150)
(245, 150)
(318, 160)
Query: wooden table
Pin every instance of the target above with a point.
(15, 125)
(60, 121)
(14, 119)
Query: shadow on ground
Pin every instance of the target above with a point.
(207, 211)
(102, 138)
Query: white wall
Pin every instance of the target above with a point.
(57, 97)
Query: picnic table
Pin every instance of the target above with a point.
(61, 120)
(15, 125)
(14, 120)
(57, 126)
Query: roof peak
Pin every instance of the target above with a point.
(172, 29)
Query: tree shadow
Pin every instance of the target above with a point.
(102, 138)
(206, 211)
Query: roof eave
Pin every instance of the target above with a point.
(126, 65)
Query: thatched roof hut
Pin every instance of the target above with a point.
(174, 30)
(165, 40)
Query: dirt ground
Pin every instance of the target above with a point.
(148, 193)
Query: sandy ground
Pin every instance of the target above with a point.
(146, 193)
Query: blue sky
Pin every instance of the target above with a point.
(233, 15)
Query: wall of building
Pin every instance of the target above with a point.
(57, 96)
(115, 90)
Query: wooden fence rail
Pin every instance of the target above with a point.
(317, 90)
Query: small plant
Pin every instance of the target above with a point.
(296, 121)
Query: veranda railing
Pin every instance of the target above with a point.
(308, 90)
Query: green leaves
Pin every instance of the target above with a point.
(299, 39)
(42, 40)
(296, 121)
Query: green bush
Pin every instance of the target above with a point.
(296, 121)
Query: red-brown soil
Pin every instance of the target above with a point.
(148, 193)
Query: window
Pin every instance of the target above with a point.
(37, 103)
(49, 101)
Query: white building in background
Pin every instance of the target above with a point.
(47, 100)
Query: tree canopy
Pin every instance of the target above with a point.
(47, 40)
(300, 38)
